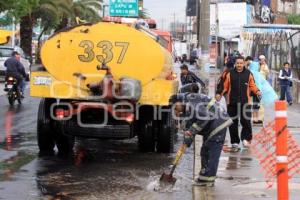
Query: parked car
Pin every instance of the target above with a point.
(5, 53)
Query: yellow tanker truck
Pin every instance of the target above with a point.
(106, 81)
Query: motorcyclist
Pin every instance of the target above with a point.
(16, 69)
(207, 119)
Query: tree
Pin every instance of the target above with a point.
(6, 17)
(28, 11)
(49, 19)
(144, 14)
(52, 14)
(6, 5)
(88, 10)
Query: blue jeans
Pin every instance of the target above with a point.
(285, 91)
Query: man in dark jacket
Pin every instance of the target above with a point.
(207, 119)
(187, 76)
(16, 69)
(285, 80)
(238, 85)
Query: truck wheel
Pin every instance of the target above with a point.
(166, 135)
(146, 141)
(64, 143)
(44, 130)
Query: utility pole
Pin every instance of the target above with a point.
(198, 20)
(13, 38)
(103, 10)
(204, 32)
(186, 27)
(217, 33)
(204, 25)
(174, 24)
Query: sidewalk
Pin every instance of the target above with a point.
(240, 175)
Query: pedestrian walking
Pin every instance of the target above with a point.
(263, 68)
(193, 56)
(187, 76)
(264, 71)
(238, 85)
(285, 79)
(208, 120)
(256, 102)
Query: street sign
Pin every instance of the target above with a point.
(124, 8)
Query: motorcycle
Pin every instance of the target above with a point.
(13, 91)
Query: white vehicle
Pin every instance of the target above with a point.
(180, 48)
(5, 53)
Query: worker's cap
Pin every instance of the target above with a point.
(184, 66)
(262, 57)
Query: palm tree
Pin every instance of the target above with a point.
(6, 5)
(88, 10)
(144, 14)
(30, 11)
(49, 18)
(52, 13)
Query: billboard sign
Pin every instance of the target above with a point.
(232, 17)
(124, 8)
(191, 8)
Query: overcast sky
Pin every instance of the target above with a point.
(163, 11)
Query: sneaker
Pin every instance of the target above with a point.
(203, 183)
(290, 103)
(235, 147)
(246, 143)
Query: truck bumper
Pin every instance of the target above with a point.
(101, 132)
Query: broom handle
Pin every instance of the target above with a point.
(177, 158)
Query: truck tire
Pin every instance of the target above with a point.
(45, 136)
(146, 141)
(166, 135)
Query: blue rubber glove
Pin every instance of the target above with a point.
(188, 138)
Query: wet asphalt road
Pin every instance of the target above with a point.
(99, 170)
(114, 169)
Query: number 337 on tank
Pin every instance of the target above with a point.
(103, 51)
